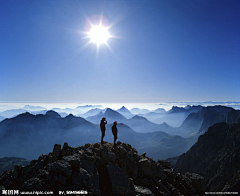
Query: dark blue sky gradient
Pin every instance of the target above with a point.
(161, 51)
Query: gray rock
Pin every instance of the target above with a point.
(144, 168)
(65, 149)
(142, 190)
(90, 181)
(59, 174)
(74, 161)
(16, 170)
(144, 154)
(164, 163)
(89, 152)
(119, 179)
(33, 184)
(122, 151)
(108, 157)
(77, 180)
(132, 169)
(89, 166)
(33, 162)
(56, 152)
(198, 181)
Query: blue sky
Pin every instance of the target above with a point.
(161, 51)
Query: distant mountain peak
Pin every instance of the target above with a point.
(70, 116)
(160, 111)
(165, 124)
(123, 108)
(112, 113)
(125, 112)
(138, 117)
(109, 110)
(176, 109)
(25, 114)
(52, 113)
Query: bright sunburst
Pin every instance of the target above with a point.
(99, 34)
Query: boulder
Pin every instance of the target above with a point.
(164, 163)
(142, 190)
(90, 181)
(143, 154)
(119, 179)
(65, 148)
(198, 181)
(56, 152)
(16, 170)
(59, 173)
(74, 161)
(144, 168)
(108, 157)
(33, 184)
(132, 169)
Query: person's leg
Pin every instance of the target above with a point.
(102, 138)
(115, 138)
(103, 134)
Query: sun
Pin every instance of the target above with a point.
(99, 34)
(96, 31)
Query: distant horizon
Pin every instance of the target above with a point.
(150, 106)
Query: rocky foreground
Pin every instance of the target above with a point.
(101, 169)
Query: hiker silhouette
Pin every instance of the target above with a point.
(114, 132)
(103, 128)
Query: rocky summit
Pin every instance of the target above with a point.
(101, 169)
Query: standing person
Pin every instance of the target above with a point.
(103, 128)
(114, 132)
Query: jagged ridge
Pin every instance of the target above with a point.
(101, 170)
(215, 156)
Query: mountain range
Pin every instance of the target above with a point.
(10, 111)
(173, 117)
(216, 157)
(159, 141)
(28, 135)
